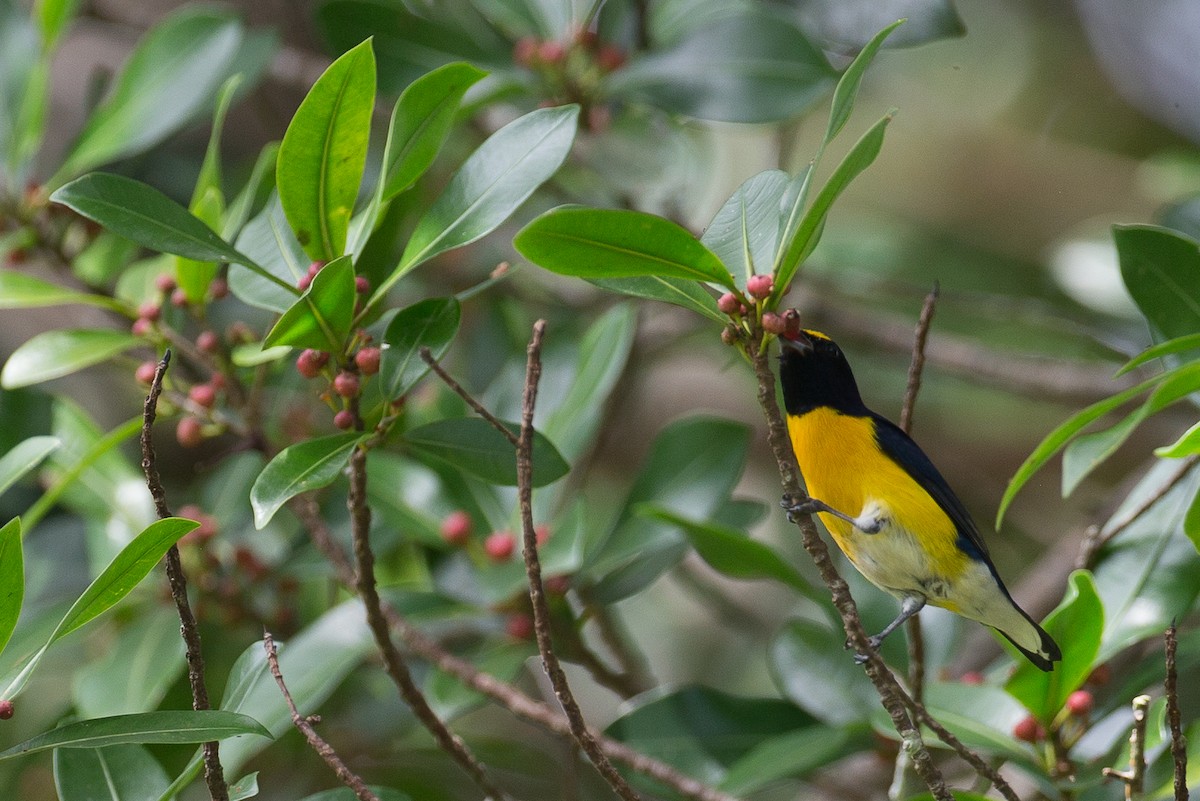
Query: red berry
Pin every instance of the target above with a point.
(772, 323)
(217, 381)
(346, 384)
(972, 677)
(1029, 730)
(519, 627)
(1080, 703)
(344, 420)
(6, 709)
(729, 335)
(310, 362)
(557, 585)
(208, 342)
(189, 432)
(499, 546)
(165, 283)
(315, 268)
(203, 395)
(149, 311)
(610, 57)
(367, 360)
(728, 303)
(759, 286)
(1101, 675)
(551, 52)
(141, 327)
(456, 528)
(208, 524)
(145, 372)
(219, 288)
(525, 51)
(541, 533)
(791, 321)
(361, 285)
(179, 298)
(304, 283)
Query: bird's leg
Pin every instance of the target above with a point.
(868, 524)
(908, 607)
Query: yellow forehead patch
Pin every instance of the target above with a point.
(816, 334)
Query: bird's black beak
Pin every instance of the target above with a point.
(799, 343)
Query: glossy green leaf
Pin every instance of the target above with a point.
(982, 716)
(1172, 346)
(143, 661)
(808, 232)
(1188, 444)
(811, 666)
(680, 292)
(53, 354)
(116, 773)
(491, 184)
(421, 121)
(24, 457)
(1161, 270)
(1191, 521)
(323, 316)
(192, 726)
(754, 66)
(244, 788)
(169, 78)
(796, 753)
(23, 291)
(12, 579)
(268, 240)
(617, 243)
(744, 234)
(324, 151)
(848, 85)
(473, 446)
(1077, 625)
(302, 467)
(430, 324)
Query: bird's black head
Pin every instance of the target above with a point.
(815, 374)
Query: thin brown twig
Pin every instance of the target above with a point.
(533, 571)
(214, 774)
(502, 692)
(397, 669)
(479, 408)
(1135, 776)
(305, 726)
(1178, 741)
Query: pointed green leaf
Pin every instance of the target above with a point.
(321, 319)
(300, 468)
(22, 291)
(324, 151)
(680, 292)
(796, 753)
(617, 243)
(744, 234)
(53, 354)
(12, 579)
(191, 726)
(1161, 269)
(473, 446)
(125, 772)
(145, 658)
(1171, 346)
(1191, 521)
(847, 87)
(268, 239)
(429, 324)
(23, 457)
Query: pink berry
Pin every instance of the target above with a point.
(208, 342)
(203, 395)
(972, 677)
(141, 327)
(145, 372)
(541, 533)
(759, 286)
(149, 311)
(344, 420)
(368, 359)
(165, 283)
(728, 303)
(525, 51)
(772, 323)
(557, 585)
(456, 528)
(1029, 730)
(6, 709)
(361, 284)
(610, 57)
(499, 546)
(791, 321)
(217, 381)
(346, 384)
(219, 288)
(304, 283)
(189, 433)
(519, 627)
(179, 298)
(1080, 703)
(310, 362)
(551, 52)
(315, 268)
(1101, 675)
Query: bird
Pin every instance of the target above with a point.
(885, 504)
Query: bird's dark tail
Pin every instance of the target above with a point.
(1048, 651)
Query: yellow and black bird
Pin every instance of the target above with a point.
(886, 505)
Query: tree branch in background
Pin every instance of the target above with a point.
(1178, 741)
(533, 571)
(304, 725)
(1135, 776)
(214, 774)
(479, 408)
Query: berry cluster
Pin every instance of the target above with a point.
(572, 71)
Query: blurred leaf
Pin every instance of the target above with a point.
(795, 753)
(53, 354)
(1161, 269)
(1191, 521)
(846, 91)
(744, 233)
(1077, 625)
(1171, 346)
(491, 184)
(269, 241)
(750, 67)
(1183, 216)
(53, 16)
(23, 457)
(451, 699)
(19, 57)
(116, 773)
(191, 726)
(143, 661)
(848, 25)
(170, 76)
(302, 467)
(982, 716)
(617, 243)
(323, 316)
(255, 194)
(472, 445)
(346, 794)
(324, 151)
(12, 579)
(812, 668)
(21, 291)
(421, 122)
(681, 292)
(429, 323)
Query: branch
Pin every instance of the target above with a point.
(1134, 777)
(305, 725)
(360, 525)
(214, 774)
(1178, 741)
(479, 408)
(533, 570)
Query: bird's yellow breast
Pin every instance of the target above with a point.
(843, 466)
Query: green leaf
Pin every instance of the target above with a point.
(192, 726)
(421, 121)
(53, 354)
(1188, 444)
(268, 239)
(843, 30)
(145, 658)
(324, 151)
(170, 77)
(244, 788)
(1191, 521)
(473, 446)
(346, 794)
(12, 579)
(53, 16)
(617, 243)
(23, 457)
(754, 66)
(431, 324)
(22, 291)
(1161, 269)
(491, 184)
(982, 716)
(677, 291)
(808, 232)
(848, 85)
(1077, 625)
(744, 233)
(1171, 346)
(116, 773)
(299, 468)
(796, 753)
(811, 667)
(323, 316)
(255, 193)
